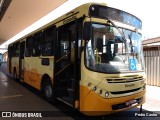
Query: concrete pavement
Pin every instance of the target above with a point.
(152, 99)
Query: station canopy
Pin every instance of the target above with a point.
(16, 15)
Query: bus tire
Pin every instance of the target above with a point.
(48, 91)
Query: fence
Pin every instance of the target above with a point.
(152, 64)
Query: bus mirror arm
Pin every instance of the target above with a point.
(121, 32)
(83, 47)
(123, 36)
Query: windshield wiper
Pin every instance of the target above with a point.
(123, 36)
(122, 33)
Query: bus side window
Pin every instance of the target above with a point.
(48, 46)
(16, 49)
(10, 51)
(29, 46)
(37, 44)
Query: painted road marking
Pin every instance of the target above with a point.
(11, 96)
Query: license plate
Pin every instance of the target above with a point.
(130, 102)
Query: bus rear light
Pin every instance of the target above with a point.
(106, 94)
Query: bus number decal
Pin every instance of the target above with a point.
(132, 64)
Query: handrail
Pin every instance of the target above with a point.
(62, 69)
(62, 57)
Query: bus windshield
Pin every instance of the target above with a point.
(108, 52)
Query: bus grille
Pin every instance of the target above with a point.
(125, 79)
(127, 91)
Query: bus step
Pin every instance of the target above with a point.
(72, 83)
(67, 100)
(60, 89)
(71, 92)
(72, 79)
(62, 81)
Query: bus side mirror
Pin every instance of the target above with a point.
(87, 31)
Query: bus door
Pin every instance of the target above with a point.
(63, 57)
(21, 60)
(63, 64)
(67, 62)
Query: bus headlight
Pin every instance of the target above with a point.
(94, 88)
(89, 84)
(106, 94)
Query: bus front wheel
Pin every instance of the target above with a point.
(48, 91)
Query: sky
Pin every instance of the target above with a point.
(146, 10)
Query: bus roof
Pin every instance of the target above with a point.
(78, 12)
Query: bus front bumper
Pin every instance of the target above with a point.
(92, 104)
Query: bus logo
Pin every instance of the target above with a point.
(129, 85)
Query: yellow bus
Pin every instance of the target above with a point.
(90, 58)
